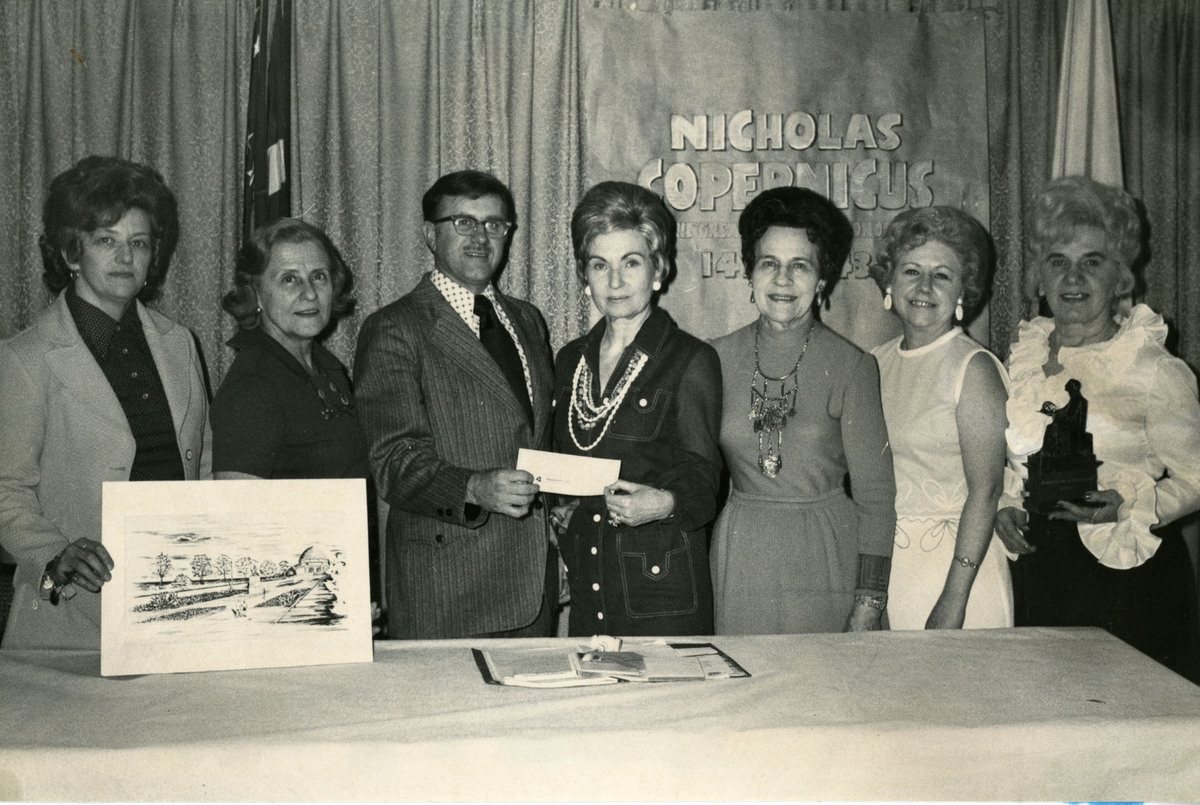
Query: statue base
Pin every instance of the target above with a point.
(1055, 478)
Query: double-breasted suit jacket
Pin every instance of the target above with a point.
(436, 408)
(63, 433)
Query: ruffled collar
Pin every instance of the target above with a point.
(1103, 362)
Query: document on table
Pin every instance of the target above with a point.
(560, 474)
(605, 663)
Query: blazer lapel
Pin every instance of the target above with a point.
(168, 346)
(73, 364)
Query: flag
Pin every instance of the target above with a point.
(1087, 133)
(267, 190)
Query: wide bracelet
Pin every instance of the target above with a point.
(965, 562)
(878, 602)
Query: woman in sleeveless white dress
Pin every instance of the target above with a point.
(944, 402)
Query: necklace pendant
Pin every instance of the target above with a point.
(770, 465)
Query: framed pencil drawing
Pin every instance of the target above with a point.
(212, 575)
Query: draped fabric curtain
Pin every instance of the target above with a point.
(389, 94)
(1024, 47)
(1157, 50)
(160, 83)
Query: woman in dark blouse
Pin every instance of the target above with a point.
(285, 409)
(637, 389)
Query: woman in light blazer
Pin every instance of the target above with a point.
(99, 388)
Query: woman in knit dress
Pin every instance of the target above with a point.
(792, 550)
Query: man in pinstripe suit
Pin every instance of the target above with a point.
(451, 380)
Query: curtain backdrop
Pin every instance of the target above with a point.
(391, 93)
(160, 83)
(1157, 49)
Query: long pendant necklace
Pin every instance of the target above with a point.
(769, 414)
(585, 414)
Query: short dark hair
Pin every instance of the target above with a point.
(467, 184)
(827, 227)
(617, 206)
(255, 255)
(955, 229)
(96, 192)
(1069, 203)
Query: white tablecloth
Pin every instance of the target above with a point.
(1013, 714)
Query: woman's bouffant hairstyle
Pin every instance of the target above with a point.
(1069, 203)
(621, 206)
(827, 227)
(951, 227)
(255, 255)
(96, 192)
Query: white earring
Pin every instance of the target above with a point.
(657, 286)
(587, 290)
(958, 311)
(887, 299)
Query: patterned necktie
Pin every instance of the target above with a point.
(500, 346)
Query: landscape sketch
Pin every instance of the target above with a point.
(216, 575)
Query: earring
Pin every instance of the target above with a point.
(656, 285)
(958, 311)
(752, 296)
(887, 299)
(587, 290)
(817, 300)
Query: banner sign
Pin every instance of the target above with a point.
(880, 112)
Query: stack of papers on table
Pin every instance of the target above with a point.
(589, 665)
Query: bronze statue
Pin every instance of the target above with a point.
(1065, 467)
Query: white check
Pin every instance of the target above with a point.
(561, 474)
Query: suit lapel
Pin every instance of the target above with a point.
(541, 374)
(453, 339)
(73, 364)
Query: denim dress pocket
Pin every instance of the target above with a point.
(656, 572)
(641, 415)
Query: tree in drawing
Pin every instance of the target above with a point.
(245, 566)
(162, 566)
(201, 565)
(224, 566)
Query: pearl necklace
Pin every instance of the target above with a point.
(584, 412)
(769, 414)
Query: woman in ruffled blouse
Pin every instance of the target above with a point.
(1102, 561)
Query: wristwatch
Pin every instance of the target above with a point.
(49, 590)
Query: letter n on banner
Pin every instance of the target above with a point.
(267, 189)
(879, 111)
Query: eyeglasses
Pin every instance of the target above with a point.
(466, 226)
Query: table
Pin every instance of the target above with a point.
(1006, 714)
